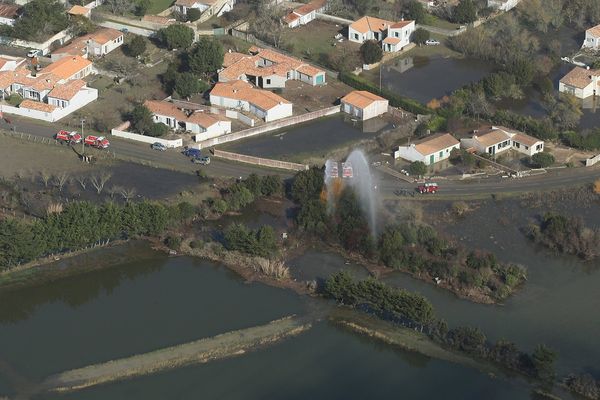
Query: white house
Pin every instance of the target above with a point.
(268, 69)
(167, 113)
(393, 36)
(241, 95)
(71, 93)
(364, 105)
(503, 5)
(592, 38)
(580, 82)
(103, 41)
(10, 63)
(207, 126)
(183, 6)
(304, 14)
(9, 13)
(499, 139)
(429, 150)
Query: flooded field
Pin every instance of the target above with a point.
(317, 138)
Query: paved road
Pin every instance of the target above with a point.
(135, 151)
(125, 149)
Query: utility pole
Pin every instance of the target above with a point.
(82, 137)
(380, 67)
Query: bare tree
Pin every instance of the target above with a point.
(128, 193)
(82, 179)
(60, 180)
(45, 176)
(99, 180)
(113, 190)
(119, 6)
(267, 25)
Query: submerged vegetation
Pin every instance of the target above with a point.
(409, 246)
(566, 235)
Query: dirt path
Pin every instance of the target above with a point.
(200, 351)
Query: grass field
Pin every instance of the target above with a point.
(157, 6)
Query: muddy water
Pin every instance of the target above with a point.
(426, 78)
(318, 137)
(128, 309)
(323, 363)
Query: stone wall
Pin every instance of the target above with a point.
(264, 162)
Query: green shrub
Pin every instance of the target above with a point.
(542, 160)
(173, 242)
(14, 100)
(193, 14)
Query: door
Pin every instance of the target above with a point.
(320, 79)
(431, 159)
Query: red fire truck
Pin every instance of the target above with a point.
(428, 187)
(66, 136)
(99, 142)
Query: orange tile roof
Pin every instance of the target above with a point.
(165, 108)
(36, 105)
(9, 11)
(361, 98)
(370, 24)
(491, 137)
(157, 19)
(7, 78)
(305, 9)
(203, 119)
(67, 91)
(291, 17)
(66, 67)
(231, 58)
(244, 91)
(526, 139)
(45, 82)
(104, 35)
(436, 143)
(594, 31)
(309, 70)
(401, 24)
(78, 47)
(79, 10)
(391, 40)
(579, 77)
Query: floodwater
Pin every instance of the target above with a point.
(427, 78)
(316, 137)
(157, 301)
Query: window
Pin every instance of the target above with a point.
(396, 34)
(356, 36)
(441, 154)
(268, 81)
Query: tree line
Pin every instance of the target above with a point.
(80, 224)
(415, 311)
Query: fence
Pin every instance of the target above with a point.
(592, 160)
(264, 162)
(272, 126)
(331, 18)
(146, 139)
(61, 37)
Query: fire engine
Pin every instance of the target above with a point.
(99, 142)
(66, 136)
(347, 171)
(429, 187)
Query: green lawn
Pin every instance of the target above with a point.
(432, 20)
(157, 6)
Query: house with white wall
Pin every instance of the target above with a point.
(167, 113)
(363, 105)
(207, 126)
(393, 36)
(240, 95)
(9, 13)
(499, 139)
(580, 82)
(304, 14)
(268, 69)
(95, 44)
(429, 150)
(592, 38)
(503, 5)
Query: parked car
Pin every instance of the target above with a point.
(202, 160)
(192, 153)
(158, 146)
(432, 42)
(33, 53)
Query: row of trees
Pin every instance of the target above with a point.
(407, 246)
(39, 20)
(80, 224)
(415, 311)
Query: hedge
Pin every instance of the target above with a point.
(395, 100)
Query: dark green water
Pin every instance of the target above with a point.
(157, 301)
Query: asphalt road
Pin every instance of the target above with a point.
(388, 185)
(135, 151)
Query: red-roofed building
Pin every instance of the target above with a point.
(304, 14)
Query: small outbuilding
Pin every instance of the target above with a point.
(430, 150)
(364, 105)
(499, 139)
